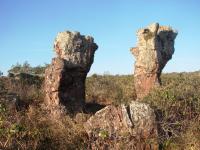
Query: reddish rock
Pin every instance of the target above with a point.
(137, 120)
(65, 76)
(155, 47)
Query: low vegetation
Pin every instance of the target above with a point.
(108, 89)
(27, 68)
(24, 123)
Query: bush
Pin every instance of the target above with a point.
(27, 68)
(1, 73)
(177, 104)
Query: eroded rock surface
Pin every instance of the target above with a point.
(155, 47)
(65, 76)
(137, 120)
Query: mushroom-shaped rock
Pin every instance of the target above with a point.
(155, 47)
(65, 76)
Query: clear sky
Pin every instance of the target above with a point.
(29, 27)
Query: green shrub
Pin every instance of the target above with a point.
(177, 104)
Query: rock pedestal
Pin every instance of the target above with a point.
(155, 47)
(65, 76)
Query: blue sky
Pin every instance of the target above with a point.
(29, 27)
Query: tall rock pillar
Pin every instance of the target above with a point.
(65, 76)
(155, 47)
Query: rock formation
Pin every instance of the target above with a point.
(155, 47)
(65, 76)
(137, 120)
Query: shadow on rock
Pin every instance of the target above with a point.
(92, 107)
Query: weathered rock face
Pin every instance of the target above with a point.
(65, 76)
(77, 50)
(155, 47)
(135, 120)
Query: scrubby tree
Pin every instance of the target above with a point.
(18, 68)
(1, 73)
(27, 68)
(39, 69)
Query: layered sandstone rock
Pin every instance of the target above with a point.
(155, 47)
(137, 120)
(65, 76)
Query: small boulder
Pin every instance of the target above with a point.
(137, 120)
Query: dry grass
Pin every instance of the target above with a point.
(177, 105)
(109, 89)
(32, 127)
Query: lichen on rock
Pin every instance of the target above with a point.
(155, 47)
(77, 50)
(65, 76)
(137, 120)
